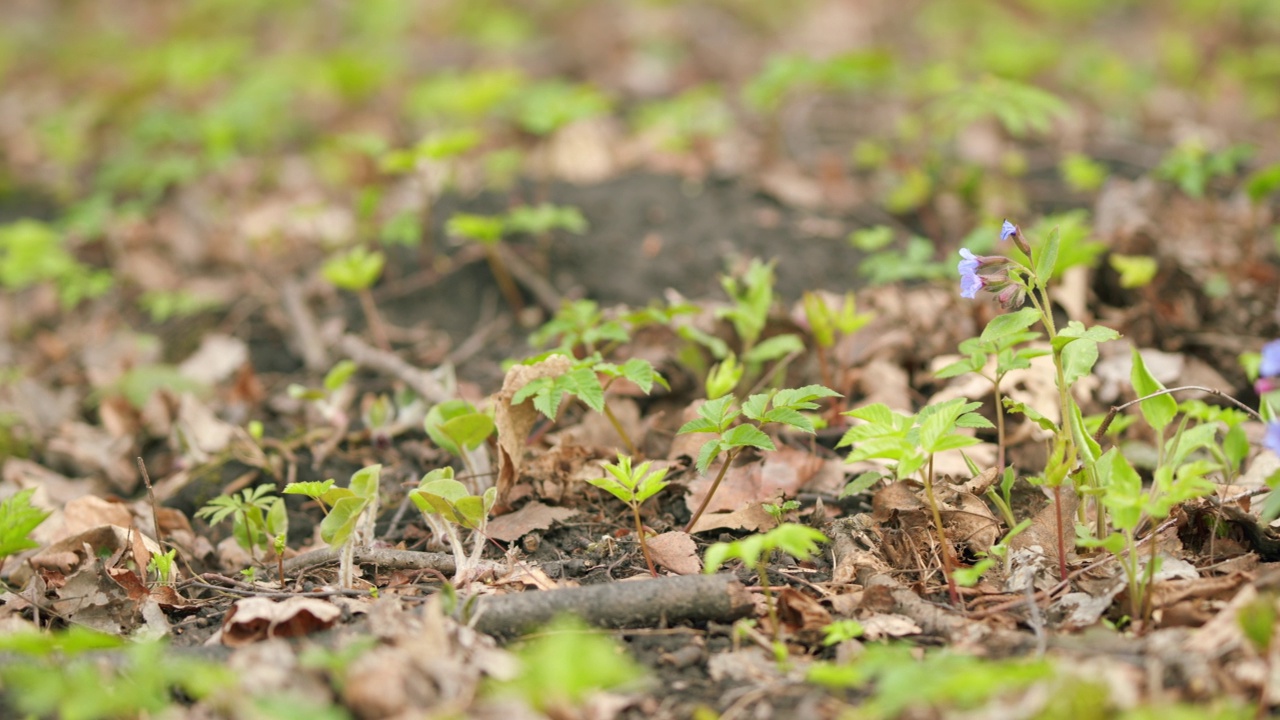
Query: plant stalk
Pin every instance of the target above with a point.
(371, 316)
(943, 548)
(644, 546)
(503, 277)
(728, 460)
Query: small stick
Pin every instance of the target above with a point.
(1111, 414)
(155, 507)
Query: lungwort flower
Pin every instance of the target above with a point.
(1269, 368)
(1009, 230)
(1272, 439)
(989, 273)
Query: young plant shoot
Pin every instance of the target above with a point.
(633, 487)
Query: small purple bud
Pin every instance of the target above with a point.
(1265, 385)
(1007, 230)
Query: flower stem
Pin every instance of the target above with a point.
(617, 427)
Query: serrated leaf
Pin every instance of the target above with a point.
(747, 436)
(754, 407)
(954, 442)
(875, 413)
(803, 397)
(708, 453)
(311, 488)
(789, 417)
(698, 425)
(641, 373)
(961, 367)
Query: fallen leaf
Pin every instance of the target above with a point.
(255, 618)
(752, 518)
(514, 422)
(888, 625)
(534, 516)
(675, 551)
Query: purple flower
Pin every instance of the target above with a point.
(1263, 385)
(970, 281)
(1270, 366)
(1007, 230)
(1272, 439)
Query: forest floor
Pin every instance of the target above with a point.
(714, 238)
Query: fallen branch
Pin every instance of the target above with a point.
(643, 603)
(422, 382)
(384, 558)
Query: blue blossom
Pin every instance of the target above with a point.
(1007, 230)
(1272, 439)
(970, 281)
(1270, 366)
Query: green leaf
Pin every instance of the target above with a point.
(789, 417)
(1135, 270)
(1015, 322)
(1123, 490)
(954, 442)
(1160, 410)
(710, 450)
(1078, 360)
(754, 407)
(641, 373)
(1075, 330)
(337, 526)
(1047, 258)
(861, 484)
(1235, 445)
(970, 364)
(18, 517)
(698, 425)
(339, 374)
(747, 436)
(803, 397)
(875, 413)
(774, 348)
(469, 430)
(312, 488)
(364, 483)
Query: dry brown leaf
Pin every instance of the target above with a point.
(888, 625)
(514, 422)
(675, 551)
(533, 516)
(802, 613)
(752, 518)
(255, 618)
(780, 473)
(217, 358)
(972, 523)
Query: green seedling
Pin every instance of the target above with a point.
(441, 497)
(164, 565)
(565, 663)
(751, 299)
(690, 121)
(582, 380)
(827, 324)
(633, 487)
(539, 220)
(798, 541)
(777, 511)
(1135, 270)
(723, 377)
(334, 395)
(718, 417)
(840, 631)
(357, 270)
(257, 516)
(910, 442)
(18, 518)
(350, 520)
(1081, 173)
(162, 306)
(902, 683)
(1001, 343)
(459, 429)
(63, 675)
(32, 252)
(546, 107)
(884, 265)
(486, 231)
(1192, 165)
(579, 327)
